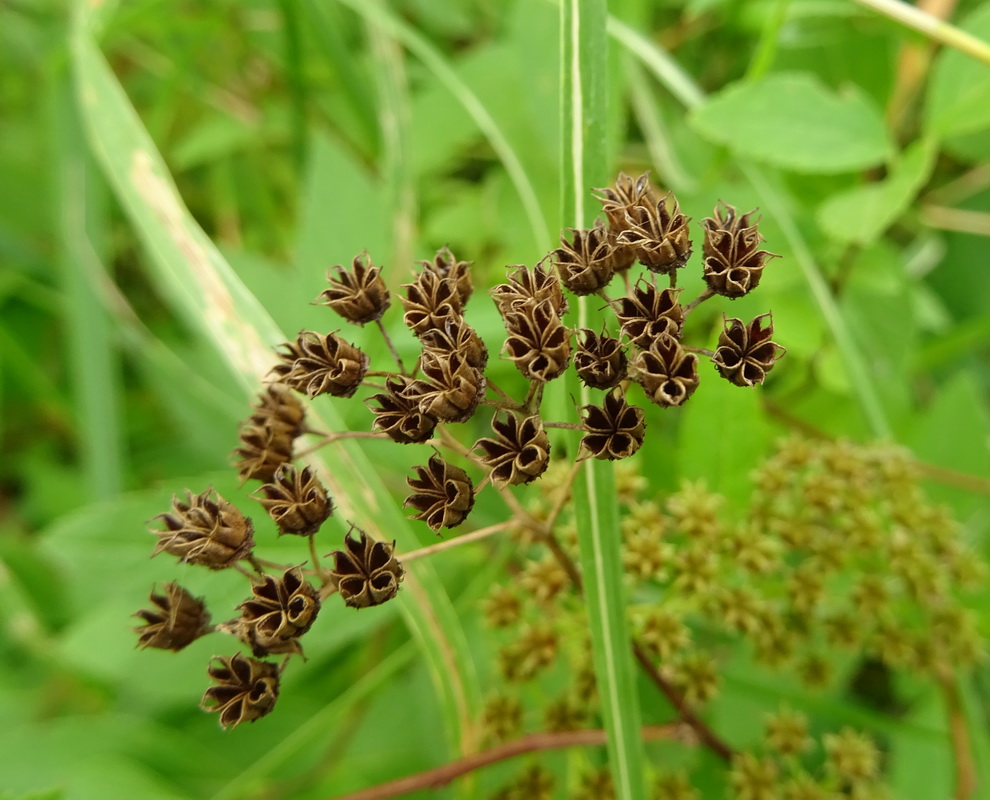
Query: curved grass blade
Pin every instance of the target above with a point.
(204, 289)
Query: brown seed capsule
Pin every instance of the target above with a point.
(658, 235)
(456, 336)
(442, 494)
(263, 449)
(205, 531)
(667, 373)
(527, 286)
(733, 264)
(358, 295)
(746, 353)
(277, 407)
(295, 500)
(279, 611)
(366, 572)
(520, 453)
(538, 343)
(245, 689)
(177, 619)
(317, 364)
(430, 301)
(649, 313)
(446, 266)
(450, 389)
(600, 360)
(586, 264)
(613, 430)
(623, 196)
(398, 415)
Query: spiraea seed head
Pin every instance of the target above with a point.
(658, 235)
(648, 313)
(520, 451)
(245, 689)
(666, 371)
(586, 263)
(538, 343)
(366, 572)
(446, 266)
(450, 389)
(733, 263)
(600, 360)
(176, 620)
(296, 501)
(746, 353)
(613, 430)
(398, 415)
(443, 494)
(279, 611)
(525, 287)
(205, 530)
(318, 364)
(359, 295)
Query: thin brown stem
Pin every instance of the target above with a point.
(448, 544)
(704, 351)
(707, 294)
(391, 347)
(499, 391)
(567, 426)
(333, 437)
(315, 558)
(534, 397)
(532, 743)
(962, 753)
(510, 406)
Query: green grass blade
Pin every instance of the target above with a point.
(583, 71)
(219, 308)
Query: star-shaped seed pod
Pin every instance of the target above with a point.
(443, 494)
(525, 287)
(658, 235)
(667, 372)
(205, 530)
(450, 389)
(733, 262)
(585, 264)
(262, 450)
(277, 407)
(520, 453)
(398, 415)
(366, 572)
(625, 195)
(649, 313)
(430, 301)
(446, 266)
(746, 353)
(279, 611)
(245, 690)
(296, 501)
(358, 295)
(538, 343)
(316, 364)
(456, 336)
(613, 430)
(177, 620)
(600, 360)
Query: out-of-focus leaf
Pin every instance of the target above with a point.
(958, 99)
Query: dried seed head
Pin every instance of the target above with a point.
(625, 195)
(613, 430)
(586, 264)
(203, 530)
(177, 619)
(450, 389)
(431, 300)
(446, 266)
(263, 449)
(733, 264)
(279, 611)
(527, 287)
(277, 407)
(667, 372)
(538, 343)
(366, 572)
(358, 295)
(317, 364)
(600, 360)
(295, 500)
(456, 337)
(520, 452)
(649, 313)
(443, 494)
(398, 415)
(658, 235)
(746, 353)
(245, 689)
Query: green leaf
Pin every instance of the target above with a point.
(958, 100)
(794, 121)
(862, 214)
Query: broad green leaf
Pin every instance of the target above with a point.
(958, 99)
(860, 215)
(796, 122)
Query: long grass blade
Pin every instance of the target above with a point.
(583, 69)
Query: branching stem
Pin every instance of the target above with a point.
(391, 347)
(448, 544)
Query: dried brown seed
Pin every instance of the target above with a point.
(586, 264)
(450, 389)
(366, 572)
(649, 313)
(263, 449)
(177, 619)
(520, 453)
(667, 372)
(625, 195)
(613, 430)
(538, 343)
(456, 336)
(526, 287)
(316, 364)
(446, 266)
(277, 407)
(600, 360)
(398, 415)
(430, 301)
(295, 500)
(203, 530)
(245, 689)
(443, 494)
(658, 234)
(733, 264)
(279, 611)
(746, 353)
(358, 295)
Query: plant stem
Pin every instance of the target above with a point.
(961, 751)
(567, 426)
(334, 437)
(391, 347)
(932, 27)
(531, 743)
(705, 295)
(449, 544)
